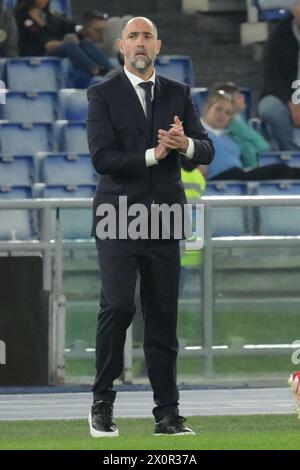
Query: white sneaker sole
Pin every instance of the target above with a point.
(95, 433)
(188, 433)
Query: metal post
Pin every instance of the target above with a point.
(59, 303)
(127, 371)
(208, 296)
(46, 237)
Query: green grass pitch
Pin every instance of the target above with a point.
(263, 432)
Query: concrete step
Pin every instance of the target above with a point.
(130, 7)
(199, 29)
(213, 5)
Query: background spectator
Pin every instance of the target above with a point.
(250, 142)
(227, 164)
(94, 24)
(8, 33)
(42, 32)
(281, 68)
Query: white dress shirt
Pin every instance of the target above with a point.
(135, 80)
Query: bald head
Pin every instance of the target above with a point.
(138, 20)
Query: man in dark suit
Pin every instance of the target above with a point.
(139, 156)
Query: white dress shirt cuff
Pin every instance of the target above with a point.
(150, 157)
(189, 153)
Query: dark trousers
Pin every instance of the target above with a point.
(159, 264)
(84, 56)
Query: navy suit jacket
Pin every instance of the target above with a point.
(117, 138)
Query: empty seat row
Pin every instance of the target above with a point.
(17, 224)
(25, 224)
(46, 106)
(51, 74)
(276, 157)
(30, 138)
(237, 221)
(71, 104)
(72, 168)
(49, 168)
(36, 73)
(233, 221)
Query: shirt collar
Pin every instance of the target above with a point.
(135, 80)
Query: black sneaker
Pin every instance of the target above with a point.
(100, 420)
(172, 424)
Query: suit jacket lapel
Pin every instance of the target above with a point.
(158, 92)
(159, 103)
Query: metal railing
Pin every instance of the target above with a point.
(53, 268)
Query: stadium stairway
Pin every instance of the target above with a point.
(213, 42)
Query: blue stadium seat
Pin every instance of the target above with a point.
(70, 169)
(278, 220)
(275, 157)
(25, 138)
(233, 221)
(73, 104)
(72, 137)
(75, 223)
(199, 97)
(92, 81)
(17, 224)
(30, 107)
(36, 74)
(271, 14)
(178, 68)
(17, 171)
(115, 62)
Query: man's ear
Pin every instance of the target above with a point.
(120, 45)
(158, 47)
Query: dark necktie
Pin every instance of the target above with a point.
(147, 87)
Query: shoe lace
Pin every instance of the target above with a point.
(103, 411)
(177, 420)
